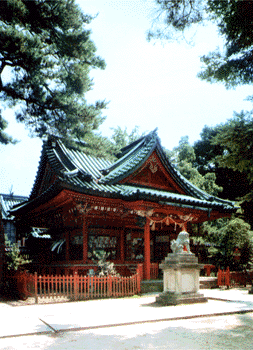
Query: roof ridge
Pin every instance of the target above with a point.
(124, 149)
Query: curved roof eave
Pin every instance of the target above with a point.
(52, 191)
(126, 193)
(185, 184)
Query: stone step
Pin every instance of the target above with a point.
(207, 282)
(152, 286)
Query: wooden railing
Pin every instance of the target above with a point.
(76, 287)
(241, 278)
(139, 271)
(234, 278)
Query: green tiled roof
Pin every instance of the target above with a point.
(97, 176)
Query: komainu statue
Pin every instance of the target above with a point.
(181, 244)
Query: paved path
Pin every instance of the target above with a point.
(87, 315)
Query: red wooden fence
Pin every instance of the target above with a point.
(208, 268)
(85, 287)
(241, 278)
(232, 278)
(223, 277)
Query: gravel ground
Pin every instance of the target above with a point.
(216, 333)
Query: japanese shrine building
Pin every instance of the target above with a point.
(131, 208)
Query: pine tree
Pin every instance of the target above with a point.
(46, 55)
(233, 65)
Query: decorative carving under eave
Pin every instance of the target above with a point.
(145, 213)
(168, 219)
(83, 208)
(153, 166)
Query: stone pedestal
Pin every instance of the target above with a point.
(180, 280)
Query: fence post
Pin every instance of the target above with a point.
(75, 285)
(109, 285)
(219, 282)
(36, 287)
(138, 282)
(208, 270)
(227, 278)
(140, 270)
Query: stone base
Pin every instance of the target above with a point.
(172, 298)
(152, 286)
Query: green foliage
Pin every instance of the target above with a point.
(5, 138)
(45, 58)
(206, 151)
(183, 156)
(236, 138)
(174, 16)
(235, 184)
(121, 138)
(105, 268)
(97, 145)
(13, 258)
(234, 64)
(224, 236)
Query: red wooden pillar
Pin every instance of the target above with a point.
(147, 250)
(122, 247)
(85, 241)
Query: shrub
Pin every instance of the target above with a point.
(105, 268)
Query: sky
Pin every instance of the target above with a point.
(147, 84)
